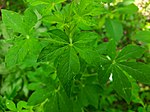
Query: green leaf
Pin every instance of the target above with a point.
(130, 52)
(104, 73)
(52, 97)
(107, 1)
(13, 20)
(85, 39)
(23, 51)
(108, 49)
(10, 105)
(139, 71)
(114, 29)
(88, 7)
(89, 95)
(129, 9)
(68, 66)
(59, 35)
(21, 104)
(143, 36)
(121, 83)
(127, 2)
(58, 102)
(89, 55)
(39, 2)
(84, 43)
(55, 45)
(39, 96)
(29, 23)
(111, 49)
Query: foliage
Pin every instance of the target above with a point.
(61, 55)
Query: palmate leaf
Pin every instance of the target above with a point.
(64, 57)
(23, 52)
(121, 69)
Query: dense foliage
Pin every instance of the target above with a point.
(74, 56)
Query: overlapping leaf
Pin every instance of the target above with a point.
(121, 70)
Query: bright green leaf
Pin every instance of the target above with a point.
(10, 105)
(21, 104)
